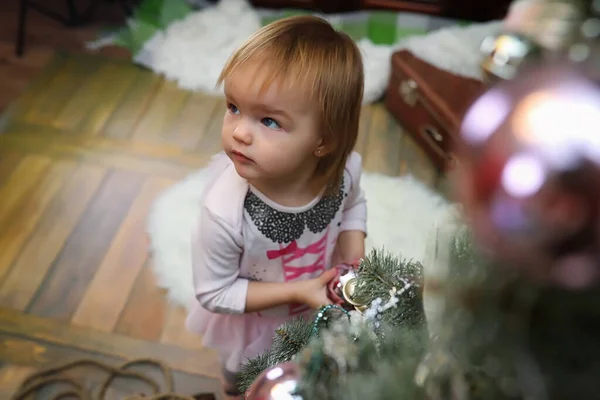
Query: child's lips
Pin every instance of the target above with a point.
(241, 157)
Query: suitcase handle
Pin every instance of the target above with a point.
(408, 90)
(434, 139)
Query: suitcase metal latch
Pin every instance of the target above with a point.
(408, 91)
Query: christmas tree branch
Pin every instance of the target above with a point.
(394, 285)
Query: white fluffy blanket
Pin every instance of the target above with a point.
(193, 51)
(402, 213)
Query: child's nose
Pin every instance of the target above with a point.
(243, 132)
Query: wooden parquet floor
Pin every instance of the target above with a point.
(83, 153)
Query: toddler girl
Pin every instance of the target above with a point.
(284, 203)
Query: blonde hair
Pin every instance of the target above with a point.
(307, 52)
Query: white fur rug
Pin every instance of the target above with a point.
(402, 213)
(193, 51)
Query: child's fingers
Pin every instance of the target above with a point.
(326, 301)
(328, 275)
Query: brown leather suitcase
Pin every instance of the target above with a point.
(429, 103)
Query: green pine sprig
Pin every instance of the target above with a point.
(380, 274)
(252, 368)
(289, 340)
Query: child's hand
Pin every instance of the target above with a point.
(313, 292)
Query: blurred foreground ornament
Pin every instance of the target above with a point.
(530, 172)
(553, 25)
(536, 30)
(276, 383)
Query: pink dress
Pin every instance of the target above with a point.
(244, 236)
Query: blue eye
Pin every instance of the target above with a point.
(270, 123)
(232, 108)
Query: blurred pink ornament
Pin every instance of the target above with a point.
(529, 174)
(276, 383)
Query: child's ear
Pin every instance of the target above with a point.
(322, 149)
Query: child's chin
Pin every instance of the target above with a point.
(245, 171)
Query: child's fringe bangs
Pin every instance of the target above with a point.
(277, 65)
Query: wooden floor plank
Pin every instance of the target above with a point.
(210, 143)
(55, 226)
(17, 228)
(136, 157)
(162, 113)
(382, 153)
(31, 95)
(76, 265)
(20, 184)
(121, 265)
(46, 330)
(63, 85)
(27, 356)
(363, 130)
(34, 137)
(122, 122)
(145, 312)
(11, 377)
(8, 163)
(174, 331)
(415, 162)
(193, 121)
(92, 104)
(17, 74)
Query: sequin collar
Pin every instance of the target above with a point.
(285, 227)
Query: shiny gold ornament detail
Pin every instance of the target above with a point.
(342, 289)
(504, 54)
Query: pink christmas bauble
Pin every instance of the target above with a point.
(276, 383)
(529, 174)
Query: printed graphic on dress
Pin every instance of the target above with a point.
(294, 264)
